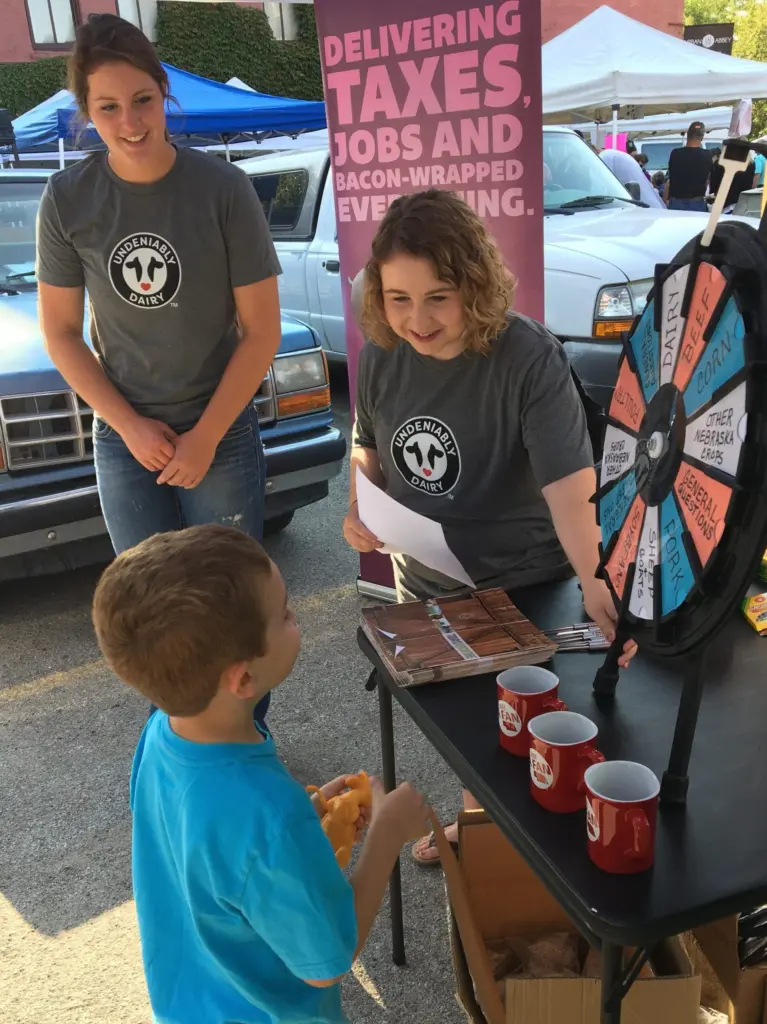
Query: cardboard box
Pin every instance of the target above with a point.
(493, 895)
(740, 993)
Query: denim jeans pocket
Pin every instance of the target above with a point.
(101, 428)
(236, 431)
(241, 427)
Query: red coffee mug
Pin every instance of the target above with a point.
(523, 694)
(621, 814)
(561, 749)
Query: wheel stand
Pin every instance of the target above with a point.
(676, 780)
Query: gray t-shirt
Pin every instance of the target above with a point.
(470, 442)
(159, 263)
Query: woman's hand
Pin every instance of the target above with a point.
(150, 442)
(357, 534)
(600, 606)
(194, 453)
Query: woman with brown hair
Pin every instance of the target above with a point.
(173, 248)
(467, 413)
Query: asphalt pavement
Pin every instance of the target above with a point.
(69, 950)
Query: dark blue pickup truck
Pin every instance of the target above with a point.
(48, 494)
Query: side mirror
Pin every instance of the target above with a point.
(633, 189)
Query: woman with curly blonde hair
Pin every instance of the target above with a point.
(467, 413)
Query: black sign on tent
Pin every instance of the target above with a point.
(711, 37)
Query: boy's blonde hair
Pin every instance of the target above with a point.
(172, 614)
(439, 226)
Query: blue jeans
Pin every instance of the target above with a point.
(230, 493)
(691, 205)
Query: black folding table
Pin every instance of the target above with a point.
(711, 854)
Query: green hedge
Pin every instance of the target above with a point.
(26, 84)
(221, 41)
(218, 41)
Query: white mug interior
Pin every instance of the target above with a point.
(622, 782)
(528, 679)
(562, 728)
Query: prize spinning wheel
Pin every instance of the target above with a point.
(682, 499)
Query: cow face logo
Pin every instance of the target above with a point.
(426, 454)
(144, 270)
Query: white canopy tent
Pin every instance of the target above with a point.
(714, 118)
(608, 61)
(239, 84)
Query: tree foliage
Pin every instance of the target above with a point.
(750, 20)
(25, 84)
(226, 40)
(709, 12)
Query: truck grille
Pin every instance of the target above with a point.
(56, 428)
(46, 430)
(263, 402)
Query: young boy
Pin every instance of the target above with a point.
(244, 914)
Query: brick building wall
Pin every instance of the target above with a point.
(16, 42)
(16, 35)
(666, 15)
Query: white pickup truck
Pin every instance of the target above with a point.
(601, 248)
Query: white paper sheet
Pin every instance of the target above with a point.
(405, 532)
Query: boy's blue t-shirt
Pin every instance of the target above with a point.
(238, 892)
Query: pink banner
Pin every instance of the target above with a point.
(449, 99)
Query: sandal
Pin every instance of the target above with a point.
(424, 850)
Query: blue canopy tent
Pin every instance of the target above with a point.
(203, 111)
(38, 128)
(206, 108)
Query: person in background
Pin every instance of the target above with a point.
(689, 170)
(742, 181)
(641, 159)
(626, 169)
(244, 914)
(630, 147)
(759, 165)
(467, 412)
(659, 184)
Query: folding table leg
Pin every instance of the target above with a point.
(612, 983)
(390, 783)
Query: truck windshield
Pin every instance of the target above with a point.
(572, 171)
(19, 201)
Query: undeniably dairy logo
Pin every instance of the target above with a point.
(426, 454)
(145, 271)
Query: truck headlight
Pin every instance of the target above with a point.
(616, 307)
(639, 291)
(301, 382)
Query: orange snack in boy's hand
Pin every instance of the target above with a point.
(341, 813)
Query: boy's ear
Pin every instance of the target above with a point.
(238, 681)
